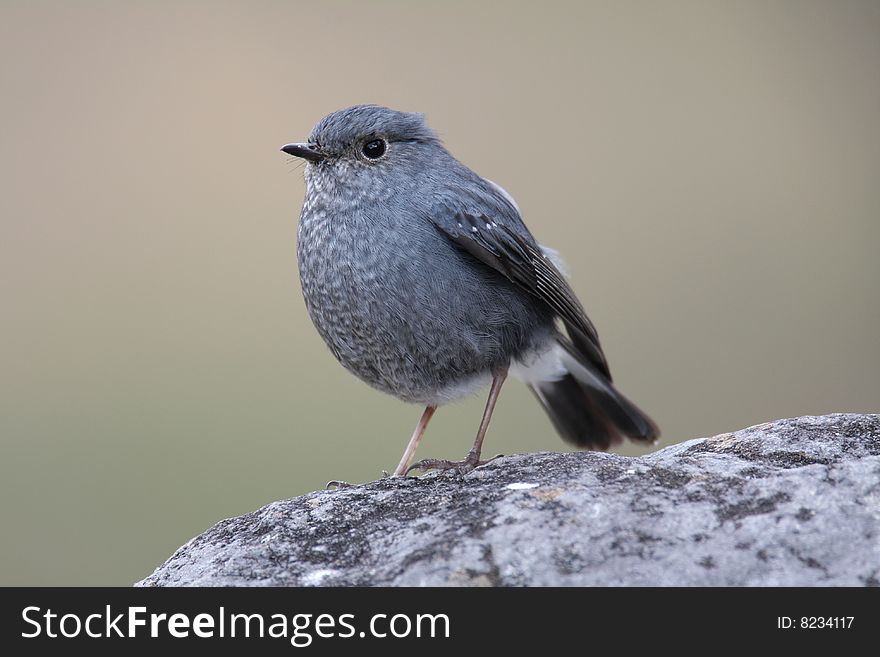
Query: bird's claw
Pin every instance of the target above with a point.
(336, 483)
(469, 463)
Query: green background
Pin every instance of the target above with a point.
(710, 171)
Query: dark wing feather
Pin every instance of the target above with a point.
(523, 262)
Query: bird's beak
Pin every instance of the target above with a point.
(309, 152)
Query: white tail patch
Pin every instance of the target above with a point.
(540, 366)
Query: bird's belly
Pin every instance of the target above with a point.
(375, 334)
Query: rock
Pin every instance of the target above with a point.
(789, 503)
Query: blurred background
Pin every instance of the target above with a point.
(710, 171)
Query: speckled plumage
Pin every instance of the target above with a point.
(424, 281)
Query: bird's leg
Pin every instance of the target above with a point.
(472, 460)
(410, 451)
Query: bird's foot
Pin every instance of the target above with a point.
(339, 484)
(470, 462)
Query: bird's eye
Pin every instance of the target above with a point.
(375, 149)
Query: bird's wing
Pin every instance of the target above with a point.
(520, 259)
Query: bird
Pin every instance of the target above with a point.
(424, 282)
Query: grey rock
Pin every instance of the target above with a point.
(789, 503)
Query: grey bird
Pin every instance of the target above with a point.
(423, 280)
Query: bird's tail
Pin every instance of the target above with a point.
(587, 410)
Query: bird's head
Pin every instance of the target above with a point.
(357, 147)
